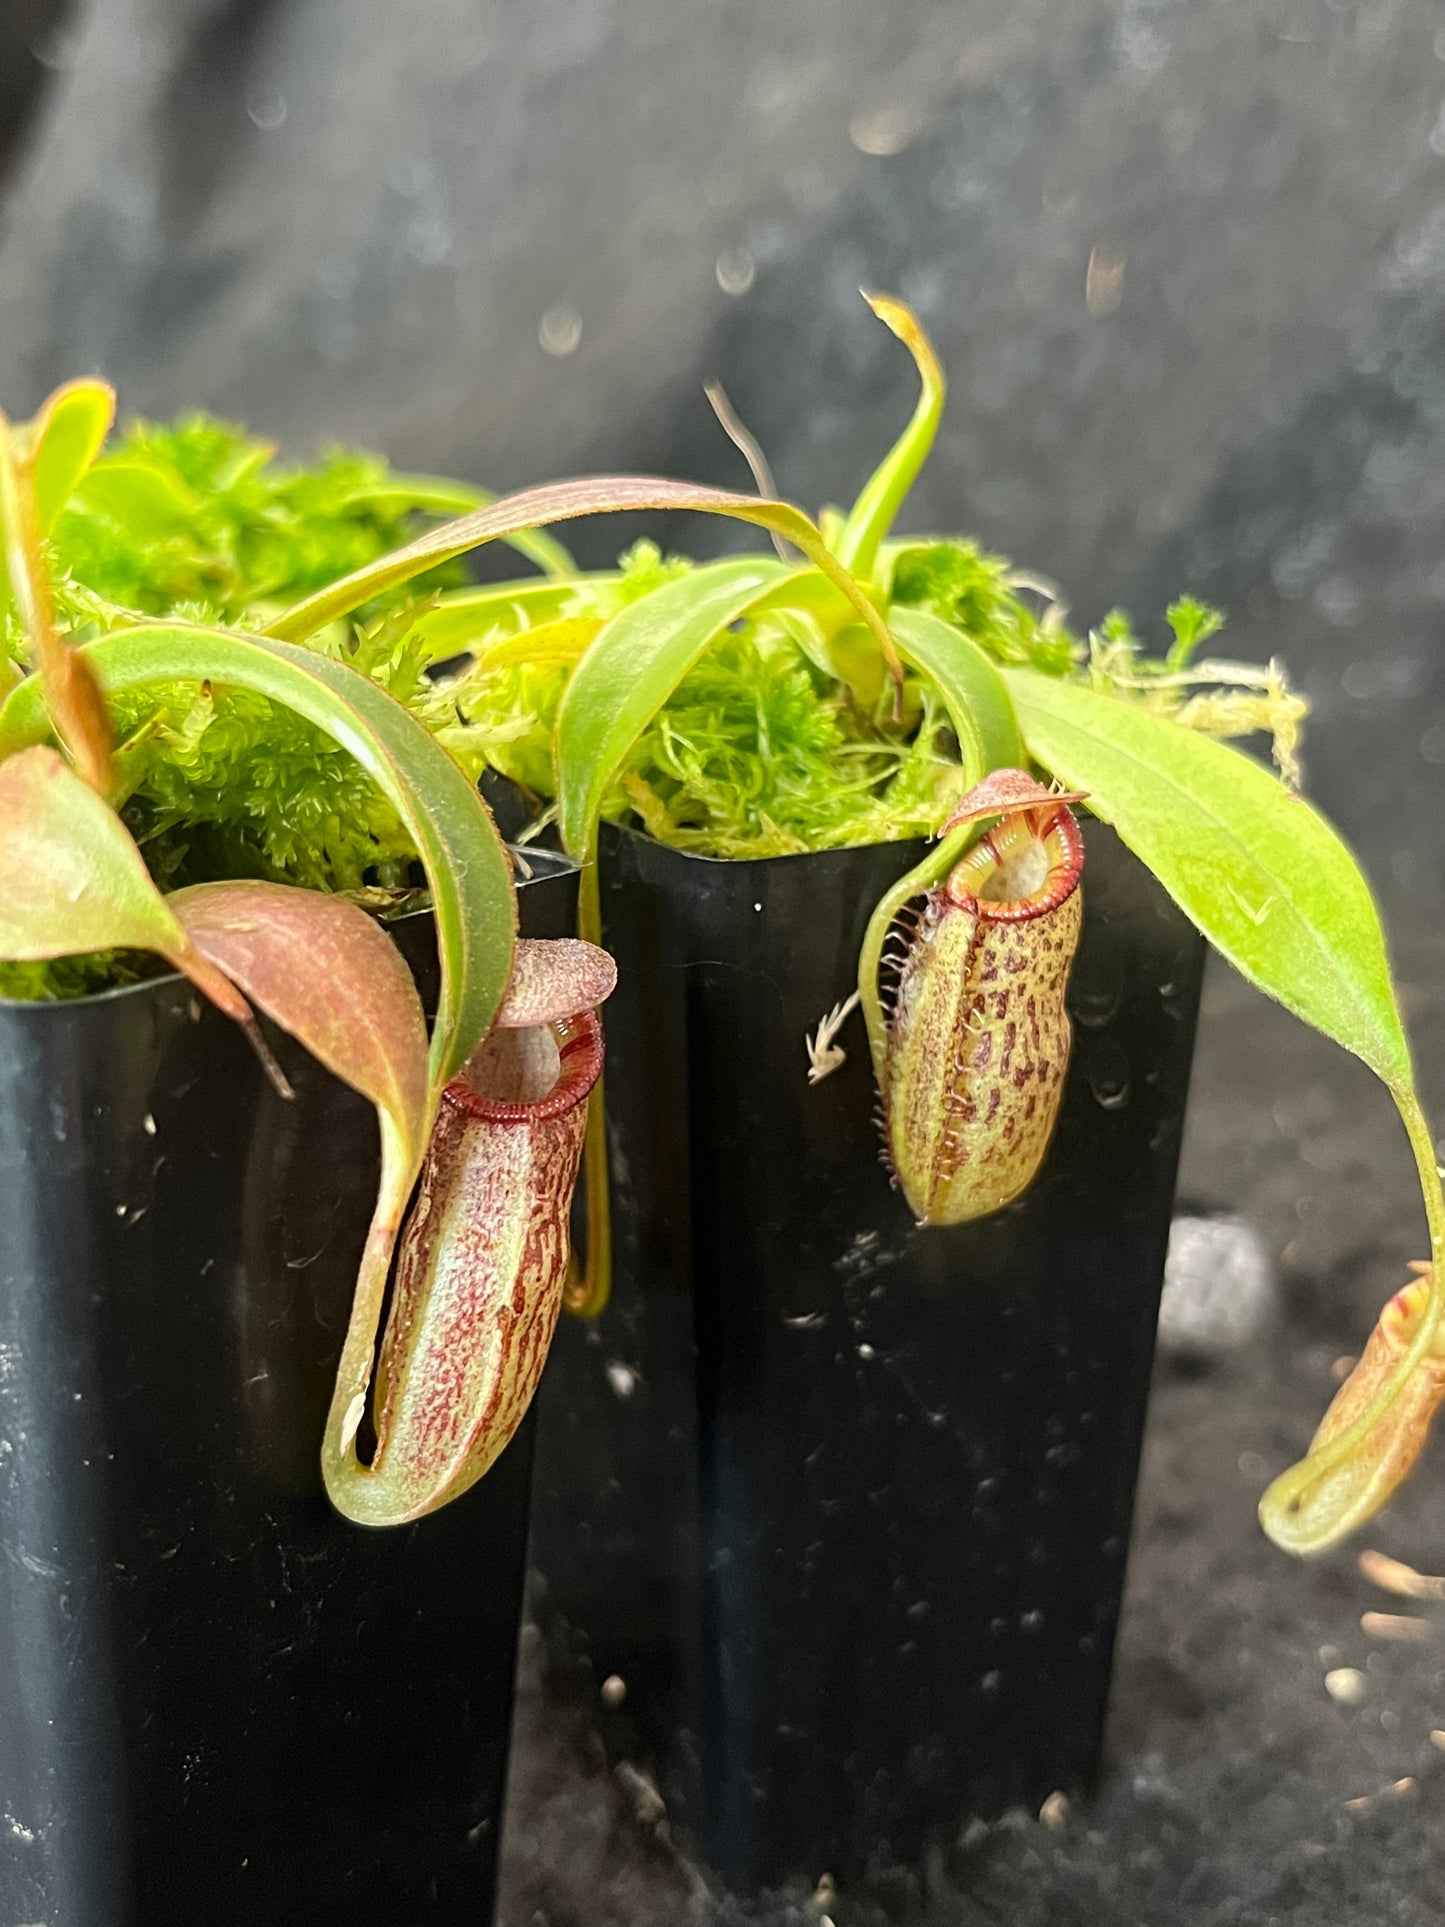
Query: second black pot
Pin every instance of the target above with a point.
(843, 1506)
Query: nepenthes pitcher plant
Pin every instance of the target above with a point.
(963, 972)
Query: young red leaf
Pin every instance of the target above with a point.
(330, 976)
(72, 879)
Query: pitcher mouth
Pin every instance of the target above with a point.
(580, 1053)
(1062, 843)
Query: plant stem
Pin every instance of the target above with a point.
(589, 1284)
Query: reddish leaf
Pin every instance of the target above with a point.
(72, 879)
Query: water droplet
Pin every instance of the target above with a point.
(883, 131)
(1092, 1005)
(736, 271)
(1107, 1075)
(1032, 1622)
(1096, 989)
(621, 1378)
(991, 1685)
(560, 331)
(267, 110)
(1104, 279)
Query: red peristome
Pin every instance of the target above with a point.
(1064, 840)
(579, 1047)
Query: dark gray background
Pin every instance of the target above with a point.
(360, 218)
(349, 218)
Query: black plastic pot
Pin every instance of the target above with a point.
(219, 1702)
(844, 1504)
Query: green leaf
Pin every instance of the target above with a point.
(467, 867)
(464, 619)
(138, 492)
(57, 447)
(973, 689)
(633, 666)
(1263, 876)
(560, 502)
(65, 438)
(872, 515)
(72, 880)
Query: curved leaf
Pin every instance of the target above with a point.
(437, 495)
(560, 502)
(65, 438)
(633, 666)
(469, 871)
(325, 972)
(971, 685)
(79, 714)
(462, 620)
(332, 978)
(131, 487)
(1264, 877)
(883, 494)
(72, 880)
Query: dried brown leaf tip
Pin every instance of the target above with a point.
(978, 1038)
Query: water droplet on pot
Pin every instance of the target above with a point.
(621, 1378)
(1032, 1622)
(1107, 1074)
(614, 1690)
(991, 1685)
(1093, 1006)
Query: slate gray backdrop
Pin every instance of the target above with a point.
(352, 218)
